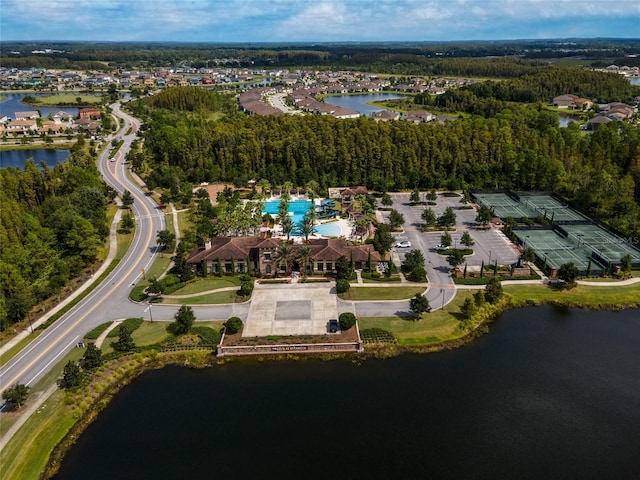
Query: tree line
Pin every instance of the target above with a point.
(520, 148)
(52, 222)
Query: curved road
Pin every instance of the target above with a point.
(109, 300)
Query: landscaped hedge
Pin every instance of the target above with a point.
(131, 324)
(208, 336)
(95, 333)
(377, 335)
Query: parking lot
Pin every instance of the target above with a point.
(490, 244)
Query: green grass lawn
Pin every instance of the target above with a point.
(588, 296)
(26, 455)
(184, 221)
(149, 333)
(206, 284)
(27, 452)
(68, 99)
(381, 293)
(435, 327)
(207, 299)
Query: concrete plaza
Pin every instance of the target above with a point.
(293, 309)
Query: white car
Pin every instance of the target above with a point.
(403, 244)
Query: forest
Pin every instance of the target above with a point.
(52, 223)
(390, 57)
(521, 147)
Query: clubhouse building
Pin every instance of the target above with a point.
(264, 256)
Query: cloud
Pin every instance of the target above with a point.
(314, 20)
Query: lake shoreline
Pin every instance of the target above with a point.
(153, 360)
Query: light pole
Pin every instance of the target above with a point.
(150, 314)
(489, 256)
(443, 299)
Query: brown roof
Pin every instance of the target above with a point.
(239, 248)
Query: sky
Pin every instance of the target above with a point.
(315, 20)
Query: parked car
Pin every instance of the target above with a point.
(333, 326)
(441, 247)
(403, 244)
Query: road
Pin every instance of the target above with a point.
(441, 287)
(109, 300)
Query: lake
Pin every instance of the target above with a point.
(547, 394)
(359, 102)
(13, 103)
(17, 158)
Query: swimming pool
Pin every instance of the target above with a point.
(297, 210)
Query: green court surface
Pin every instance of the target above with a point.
(572, 237)
(505, 206)
(557, 250)
(608, 246)
(550, 207)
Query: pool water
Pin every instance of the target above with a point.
(298, 209)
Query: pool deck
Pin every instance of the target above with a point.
(345, 226)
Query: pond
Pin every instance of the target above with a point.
(13, 103)
(548, 393)
(359, 102)
(17, 158)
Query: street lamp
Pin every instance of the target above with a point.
(150, 314)
(489, 256)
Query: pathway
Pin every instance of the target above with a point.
(113, 247)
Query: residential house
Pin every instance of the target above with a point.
(385, 116)
(22, 127)
(89, 113)
(258, 255)
(595, 122)
(30, 115)
(418, 116)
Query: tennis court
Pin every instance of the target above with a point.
(551, 207)
(504, 205)
(608, 246)
(557, 250)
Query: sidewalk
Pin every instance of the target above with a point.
(113, 247)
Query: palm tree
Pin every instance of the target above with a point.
(305, 258)
(306, 227)
(287, 186)
(264, 185)
(287, 226)
(284, 256)
(312, 189)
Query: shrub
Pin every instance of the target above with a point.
(233, 325)
(418, 274)
(208, 336)
(246, 288)
(183, 321)
(342, 285)
(95, 333)
(131, 324)
(347, 320)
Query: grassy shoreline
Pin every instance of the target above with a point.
(74, 412)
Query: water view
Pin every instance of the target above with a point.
(13, 103)
(359, 102)
(17, 158)
(547, 394)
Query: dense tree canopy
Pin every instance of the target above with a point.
(51, 223)
(519, 148)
